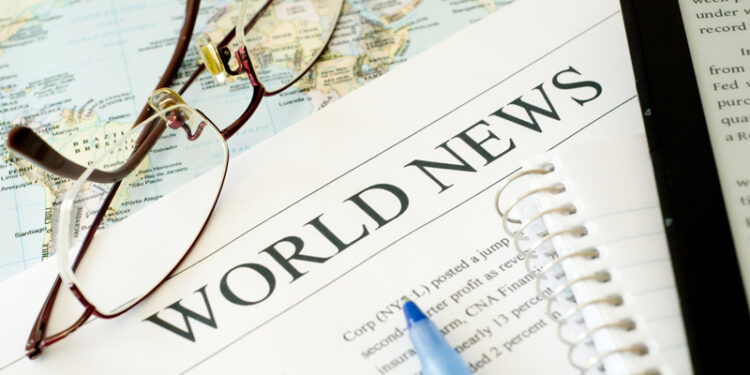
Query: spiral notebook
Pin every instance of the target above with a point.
(595, 206)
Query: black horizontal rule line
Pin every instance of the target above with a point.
(592, 122)
(416, 229)
(595, 25)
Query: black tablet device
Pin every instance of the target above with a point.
(692, 69)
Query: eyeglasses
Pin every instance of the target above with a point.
(173, 148)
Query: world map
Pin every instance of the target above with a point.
(79, 71)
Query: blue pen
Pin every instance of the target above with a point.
(435, 354)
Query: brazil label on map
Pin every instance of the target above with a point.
(79, 71)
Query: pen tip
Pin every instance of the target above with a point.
(412, 313)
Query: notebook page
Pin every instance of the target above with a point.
(611, 184)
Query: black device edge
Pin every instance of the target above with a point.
(712, 296)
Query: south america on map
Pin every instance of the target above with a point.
(79, 71)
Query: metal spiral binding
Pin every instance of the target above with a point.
(540, 272)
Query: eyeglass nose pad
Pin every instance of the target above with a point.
(165, 98)
(210, 57)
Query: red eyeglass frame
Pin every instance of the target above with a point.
(26, 142)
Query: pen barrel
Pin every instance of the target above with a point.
(435, 354)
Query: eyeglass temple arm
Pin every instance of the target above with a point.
(183, 42)
(26, 142)
(37, 339)
(38, 336)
